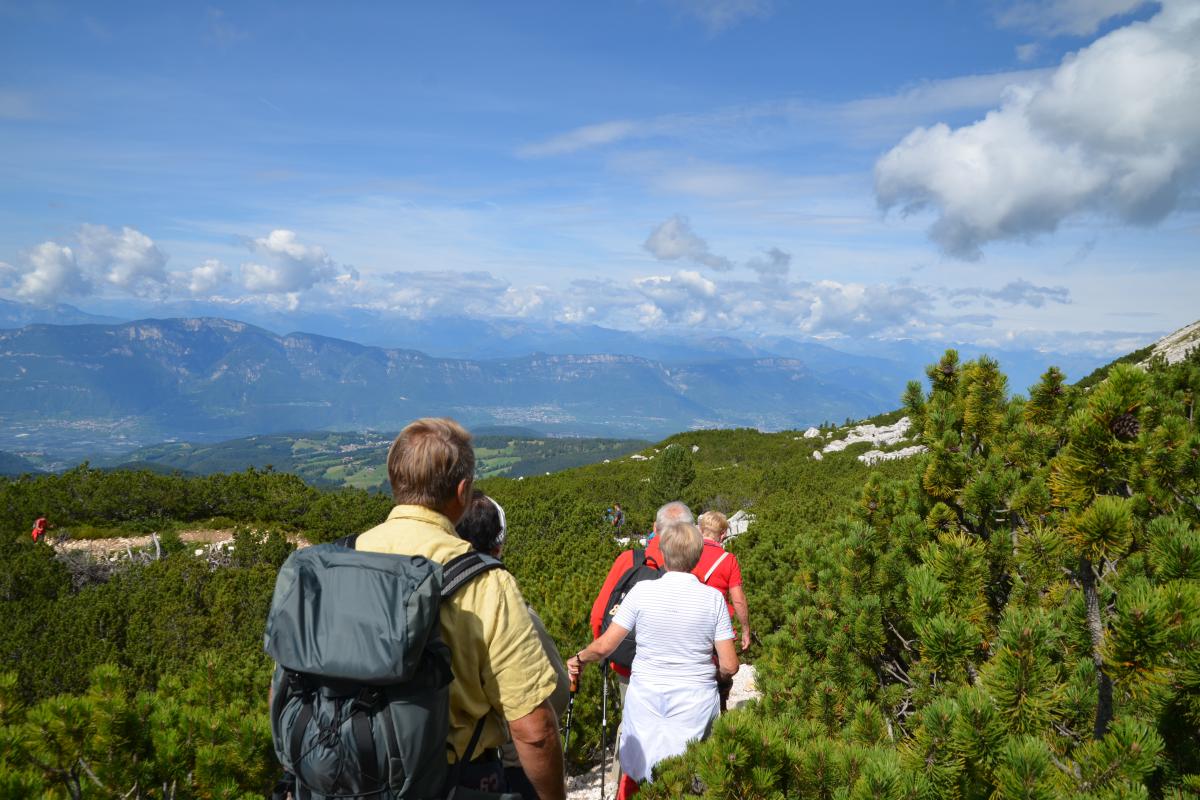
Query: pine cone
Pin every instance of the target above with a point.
(1125, 427)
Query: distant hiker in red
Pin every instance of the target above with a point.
(719, 569)
(39, 529)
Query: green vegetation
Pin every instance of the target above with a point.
(1014, 614)
(13, 464)
(1100, 373)
(358, 460)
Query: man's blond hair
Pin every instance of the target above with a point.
(428, 460)
(681, 545)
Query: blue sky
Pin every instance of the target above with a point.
(1006, 171)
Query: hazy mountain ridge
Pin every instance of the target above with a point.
(215, 378)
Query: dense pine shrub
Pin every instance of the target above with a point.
(1014, 614)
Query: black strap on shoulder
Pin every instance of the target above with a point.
(639, 558)
(461, 570)
(347, 541)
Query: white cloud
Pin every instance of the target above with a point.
(1116, 129)
(674, 240)
(718, 15)
(290, 265)
(128, 260)
(773, 263)
(1019, 292)
(583, 138)
(51, 272)
(207, 278)
(1028, 52)
(1057, 17)
(784, 122)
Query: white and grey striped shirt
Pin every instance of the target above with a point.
(676, 620)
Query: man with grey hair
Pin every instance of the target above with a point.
(669, 513)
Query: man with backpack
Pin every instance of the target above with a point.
(501, 675)
(629, 567)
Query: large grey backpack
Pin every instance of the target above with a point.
(361, 698)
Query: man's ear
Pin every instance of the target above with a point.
(465, 487)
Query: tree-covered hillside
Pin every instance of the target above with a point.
(1014, 614)
(358, 460)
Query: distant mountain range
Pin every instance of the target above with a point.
(460, 337)
(18, 315)
(88, 388)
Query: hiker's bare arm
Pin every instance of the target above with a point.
(727, 660)
(737, 596)
(540, 750)
(598, 650)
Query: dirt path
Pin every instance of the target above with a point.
(587, 785)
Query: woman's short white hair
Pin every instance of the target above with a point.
(713, 524)
(681, 545)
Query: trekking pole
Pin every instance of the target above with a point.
(570, 710)
(603, 725)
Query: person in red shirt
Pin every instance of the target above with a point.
(39, 529)
(675, 511)
(719, 569)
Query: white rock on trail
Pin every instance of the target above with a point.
(811, 433)
(875, 456)
(878, 435)
(817, 455)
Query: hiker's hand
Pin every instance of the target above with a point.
(574, 668)
(745, 639)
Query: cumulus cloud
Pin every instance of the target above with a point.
(207, 278)
(674, 240)
(1057, 17)
(1115, 130)
(51, 271)
(1019, 292)
(424, 293)
(687, 298)
(127, 259)
(287, 264)
(821, 309)
(773, 263)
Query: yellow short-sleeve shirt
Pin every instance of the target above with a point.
(500, 669)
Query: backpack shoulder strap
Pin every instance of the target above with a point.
(639, 558)
(347, 541)
(461, 570)
(713, 568)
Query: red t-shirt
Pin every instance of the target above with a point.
(725, 576)
(622, 564)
